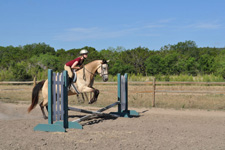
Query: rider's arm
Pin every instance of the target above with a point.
(74, 66)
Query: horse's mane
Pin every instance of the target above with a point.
(103, 61)
(95, 61)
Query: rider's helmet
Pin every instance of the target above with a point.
(83, 51)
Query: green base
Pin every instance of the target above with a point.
(49, 128)
(126, 114)
(57, 127)
(72, 125)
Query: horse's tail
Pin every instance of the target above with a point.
(35, 95)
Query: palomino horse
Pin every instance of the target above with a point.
(84, 82)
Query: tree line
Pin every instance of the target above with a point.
(25, 62)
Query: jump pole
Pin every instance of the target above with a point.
(94, 113)
(122, 103)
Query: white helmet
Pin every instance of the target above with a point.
(83, 51)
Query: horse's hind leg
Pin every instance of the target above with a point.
(42, 110)
(79, 99)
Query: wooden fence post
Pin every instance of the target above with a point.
(154, 87)
(34, 81)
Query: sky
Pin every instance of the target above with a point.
(104, 24)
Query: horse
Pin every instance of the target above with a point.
(84, 82)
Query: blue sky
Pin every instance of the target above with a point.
(110, 23)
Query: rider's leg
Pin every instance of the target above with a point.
(68, 69)
(70, 74)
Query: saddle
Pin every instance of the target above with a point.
(74, 76)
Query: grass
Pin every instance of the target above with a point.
(15, 93)
(108, 95)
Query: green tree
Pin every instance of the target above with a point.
(206, 64)
(19, 71)
(169, 64)
(120, 67)
(47, 61)
(220, 64)
(191, 66)
(154, 65)
(136, 58)
(37, 49)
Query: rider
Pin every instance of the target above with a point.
(76, 64)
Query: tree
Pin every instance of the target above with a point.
(47, 61)
(136, 58)
(191, 66)
(37, 49)
(19, 71)
(120, 67)
(206, 64)
(220, 64)
(154, 65)
(169, 64)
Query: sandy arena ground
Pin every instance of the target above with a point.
(155, 129)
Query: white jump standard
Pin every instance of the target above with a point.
(58, 109)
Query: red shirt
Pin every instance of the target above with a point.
(70, 63)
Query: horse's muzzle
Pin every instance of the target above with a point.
(105, 78)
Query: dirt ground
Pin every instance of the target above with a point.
(155, 129)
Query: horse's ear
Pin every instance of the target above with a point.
(104, 61)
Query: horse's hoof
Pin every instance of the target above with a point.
(92, 101)
(45, 117)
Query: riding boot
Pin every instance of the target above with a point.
(70, 81)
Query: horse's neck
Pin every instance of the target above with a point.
(90, 69)
(92, 66)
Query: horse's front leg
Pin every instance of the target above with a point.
(95, 97)
(95, 91)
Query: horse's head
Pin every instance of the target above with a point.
(103, 70)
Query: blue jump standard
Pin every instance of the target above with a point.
(58, 126)
(122, 87)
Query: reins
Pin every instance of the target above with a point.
(94, 74)
(84, 76)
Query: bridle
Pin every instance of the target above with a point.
(102, 71)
